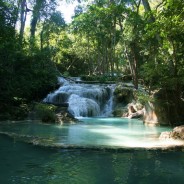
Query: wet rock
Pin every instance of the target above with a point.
(166, 109)
(150, 117)
(165, 135)
(176, 133)
(123, 94)
(134, 107)
(132, 110)
(137, 114)
(127, 101)
(135, 110)
(65, 117)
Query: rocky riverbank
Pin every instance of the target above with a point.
(177, 134)
(160, 108)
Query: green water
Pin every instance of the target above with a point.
(24, 163)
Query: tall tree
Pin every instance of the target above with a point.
(42, 9)
(23, 16)
(36, 16)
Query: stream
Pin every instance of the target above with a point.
(99, 149)
(95, 151)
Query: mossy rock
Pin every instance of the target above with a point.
(45, 112)
(123, 94)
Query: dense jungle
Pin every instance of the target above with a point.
(107, 40)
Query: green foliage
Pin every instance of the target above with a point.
(108, 37)
(164, 54)
(26, 78)
(45, 112)
(23, 78)
(100, 36)
(29, 76)
(69, 64)
(123, 94)
(142, 97)
(123, 91)
(100, 78)
(16, 110)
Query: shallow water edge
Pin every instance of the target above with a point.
(91, 133)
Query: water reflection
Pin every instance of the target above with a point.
(24, 163)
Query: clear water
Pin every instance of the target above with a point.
(95, 132)
(24, 163)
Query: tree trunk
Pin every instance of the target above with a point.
(146, 5)
(41, 40)
(147, 8)
(23, 16)
(134, 62)
(35, 18)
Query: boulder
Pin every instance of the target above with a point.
(150, 117)
(166, 109)
(123, 94)
(176, 133)
(135, 110)
(65, 117)
(165, 135)
(137, 114)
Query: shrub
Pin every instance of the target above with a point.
(45, 112)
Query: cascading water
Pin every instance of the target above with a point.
(85, 100)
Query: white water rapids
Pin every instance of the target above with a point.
(85, 100)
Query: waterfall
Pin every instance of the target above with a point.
(85, 100)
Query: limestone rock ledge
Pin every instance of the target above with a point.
(177, 133)
(135, 110)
